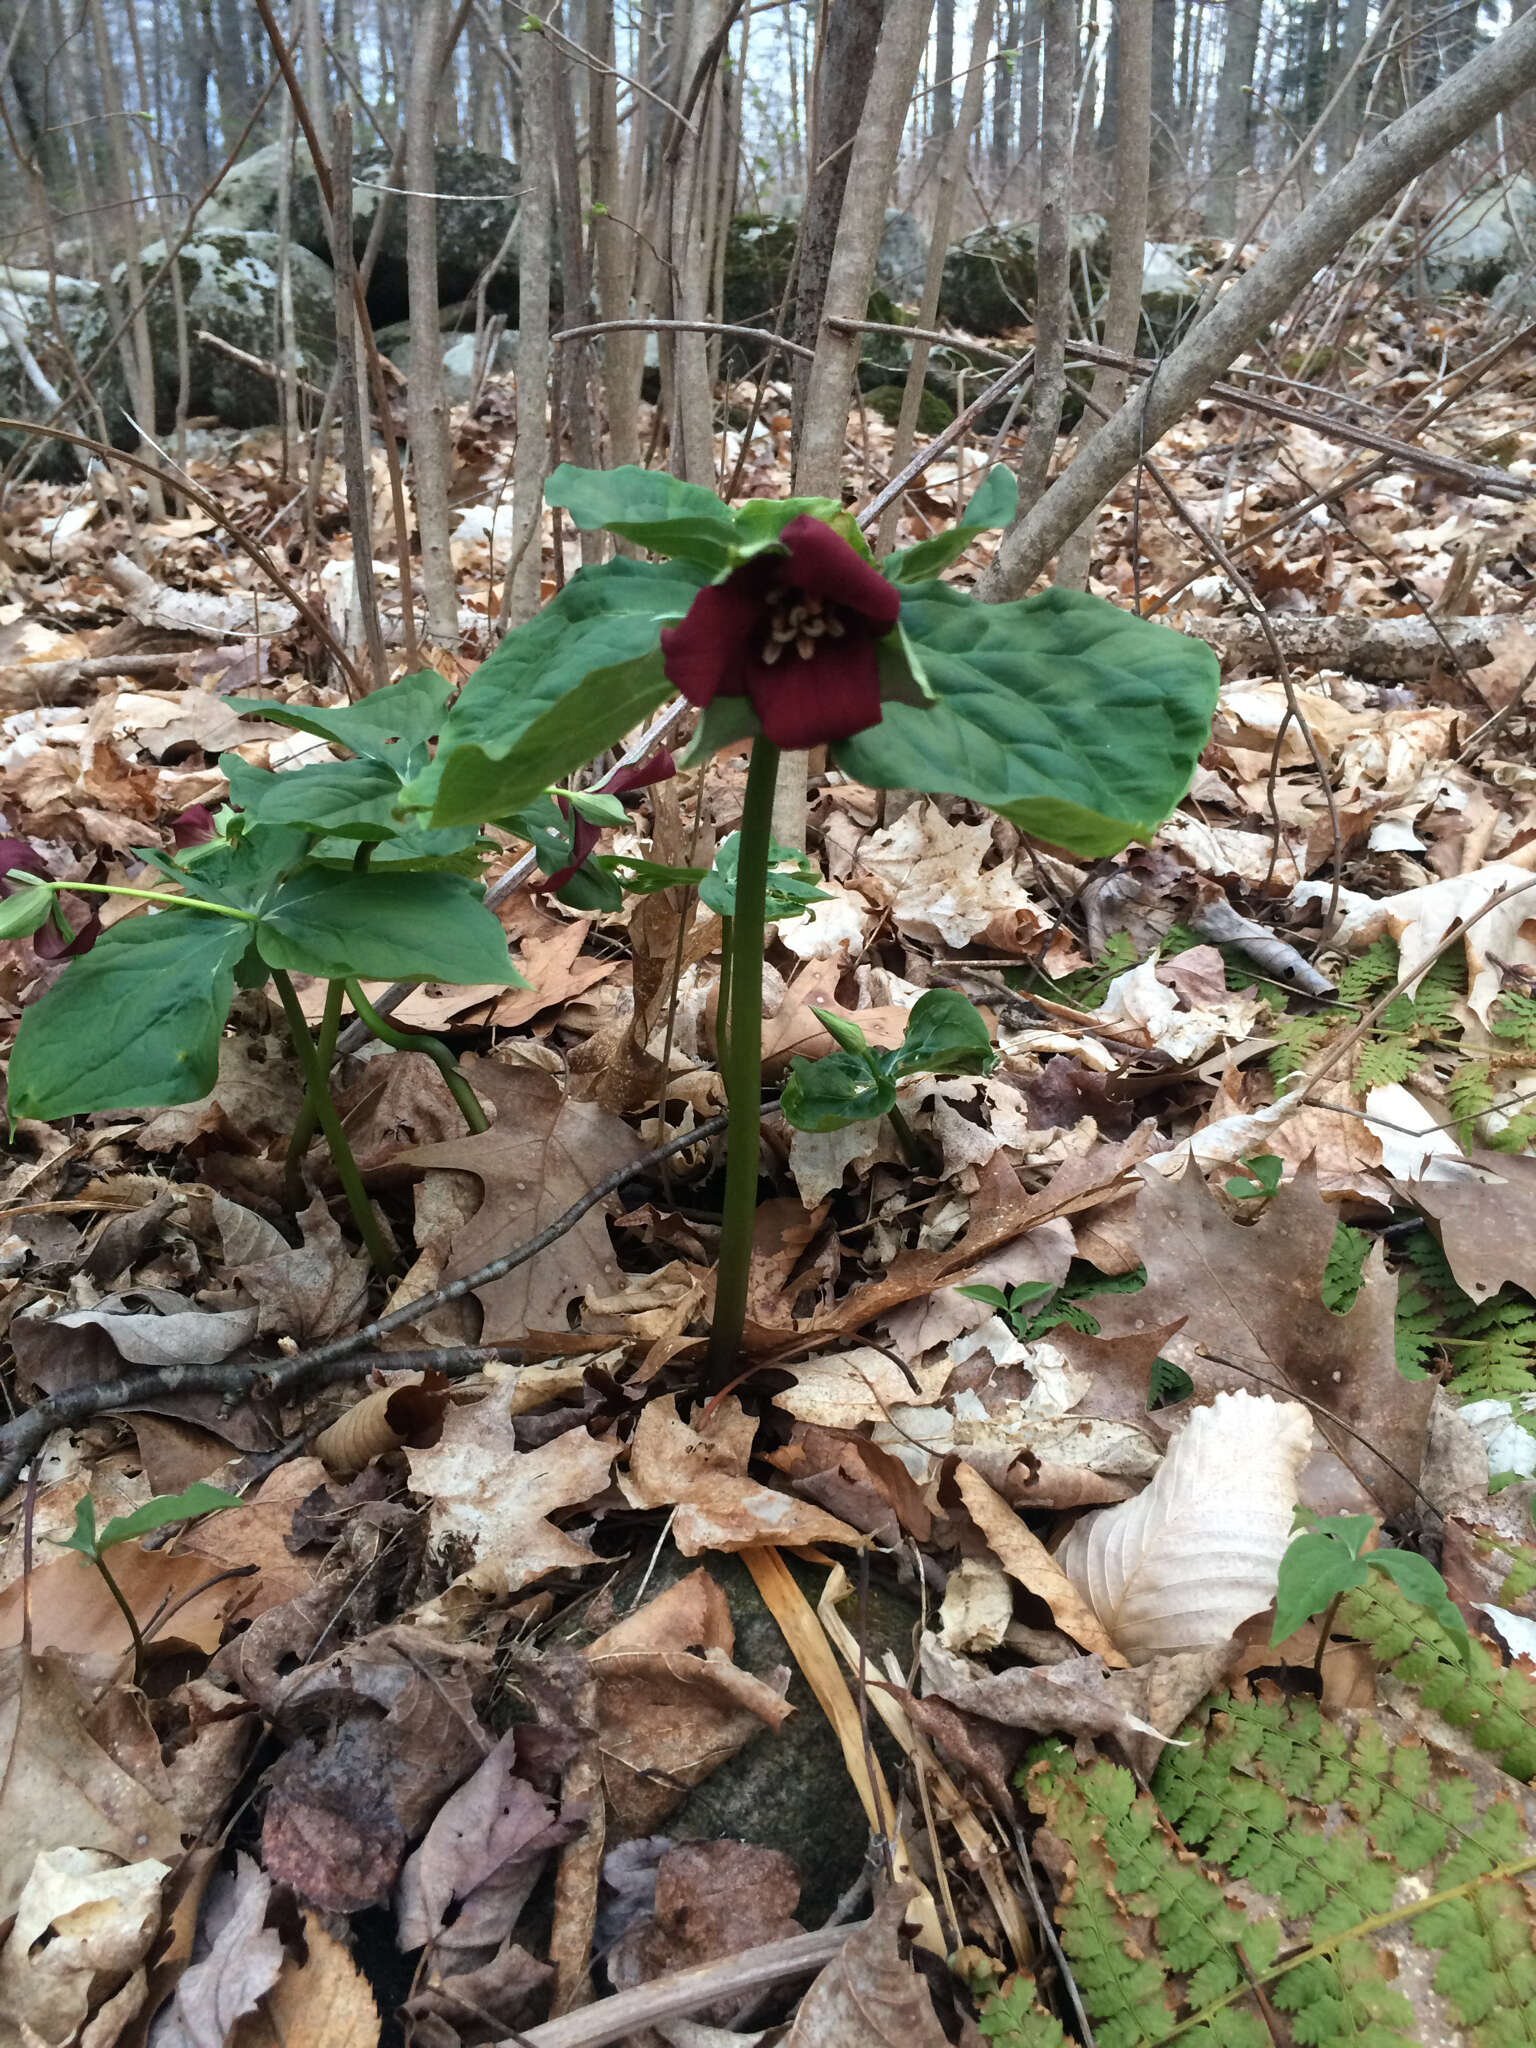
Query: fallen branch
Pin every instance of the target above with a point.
(85, 668)
(250, 362)
(1383, 650)
(685, 1991)
(21, 1439)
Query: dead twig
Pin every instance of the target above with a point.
(21, 1439)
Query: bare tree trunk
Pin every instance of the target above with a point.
(1128, 237)
(851, 270)
(693, 419)
(613, 241)
(847, 62)
(1165, 119)
(1416, 140)
(951, 166)
(1343, 129)
(823, 420)
(140, 357)
(316, 90)
(352, 403)
(1004, 87)
(942, 99)
(427, 409)
(1052, 254)
(520, 589)
(1232, 126)
(1029, 91)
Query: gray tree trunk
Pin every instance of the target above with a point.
(530, 457)
(1232, 125)
(427, 407)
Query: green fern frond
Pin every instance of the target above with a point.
(1513, 1019)
(1345, 1268)
(1382, 1061)
(1469, 1093)
(1369, 973)
(1014, 2018)
(1298, 1038)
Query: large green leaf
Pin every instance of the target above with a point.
(134, 1023)
(647, 506)
(243, 871)
(945, 1035)
(342, 799)
(557, 691)
(391, 725)
(385, 927)
(1076, 721)
(995, 501)
(831, 1093)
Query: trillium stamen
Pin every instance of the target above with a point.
(815, 594)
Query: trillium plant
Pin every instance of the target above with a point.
(1076, 721)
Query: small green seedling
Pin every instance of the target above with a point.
(1326, 1559)
(1034, 1307)
(945, 1035)
(1262, 1179)
(199, 1499)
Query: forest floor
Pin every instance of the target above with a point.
(416, 1727)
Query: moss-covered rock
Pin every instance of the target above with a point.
(989, 277)
(759, 248)
(934, 414)
(474, 213)
(49, 326)
(789, 1790)
(229, 281)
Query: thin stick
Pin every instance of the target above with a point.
(257, 553)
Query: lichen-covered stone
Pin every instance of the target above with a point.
(759, 248)
(903, 259)
(934, 414)
(229, 281)
(1485, 239)
(49, 325)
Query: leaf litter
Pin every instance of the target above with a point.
(1259, 1136)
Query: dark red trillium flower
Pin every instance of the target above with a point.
(659, 768)
(795, 633)
(48, 942)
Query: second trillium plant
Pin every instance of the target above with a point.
(1078, 722)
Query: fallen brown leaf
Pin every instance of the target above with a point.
(713, 1899)
(322, 2001)
(540, 1155)
(1026, 1559)
(867, 1997)
(240, 1959)
(702, 1473)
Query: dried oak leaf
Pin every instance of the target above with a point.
(867, 1997)
(58, 1786)
(1250, 1295)
(671, 1704)
(312, 1292)
(703, 1475)
(1486, 1227)
(490, 1501)
(543, 1152)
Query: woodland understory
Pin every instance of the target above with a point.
(1084, 1589)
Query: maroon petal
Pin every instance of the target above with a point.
(49, 943)
(194, 827)
(823, 564)
(703, 655)
(811, 703)
(19, 853)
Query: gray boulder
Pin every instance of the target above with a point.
(1490, 236)
(42, 322)
(989, 277)
(1169, 294)
(458, 351)
(476, 210)
(230, 283)
(903, 260)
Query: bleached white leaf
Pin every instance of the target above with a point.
(1182, 1565)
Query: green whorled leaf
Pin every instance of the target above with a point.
(243, 871)
(647, 877)
(831, 1093)
(647, 506)
(945, 1035)
(1076, 721)
(417, 849)
(412, 927)
(340, 799)
(791, 887)
(392, 725)
(994, 504)
(760, 521)
(199, 1499)
(591, 889)
(722, 723)
(134, 1023)
(21, 914)
(596, 806)
(557, 691)
(844, 1088)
